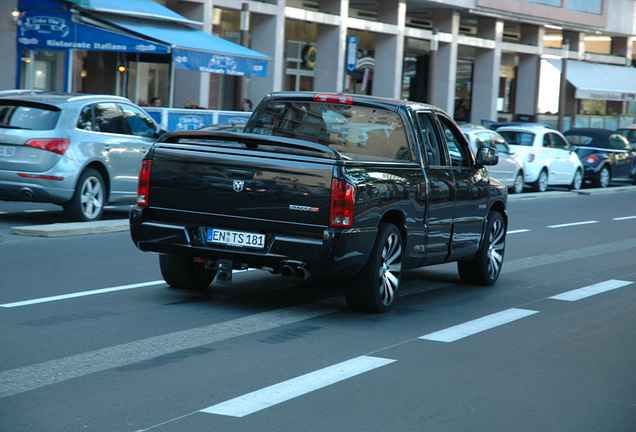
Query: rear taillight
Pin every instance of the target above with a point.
(342, 204)
(55, 145)
(143, 183)
(591, 159)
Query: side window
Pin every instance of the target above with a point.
(546, 141)
(85, 120)
(108, 118)
(139, 124)
(500, 144)
(432, 149)
(457, 146)
(483, 140)
(559, 143)
(618, 142)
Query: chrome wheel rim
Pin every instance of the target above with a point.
(92, 197)
(518, 187)
(496, 246)
(390, 269)
(604, 177)
(543, 181)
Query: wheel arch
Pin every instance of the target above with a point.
(103, 171)
(397, 218)
(499, 207)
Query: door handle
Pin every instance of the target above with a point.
(239, 174)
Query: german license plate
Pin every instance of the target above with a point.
(7, 151)
(236, 238)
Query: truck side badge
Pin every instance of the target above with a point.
(237, 185)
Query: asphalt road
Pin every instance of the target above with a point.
(92, 339)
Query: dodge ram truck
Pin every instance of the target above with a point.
(358, 187)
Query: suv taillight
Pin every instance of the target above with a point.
(143, 183)
(342, 204)
(55, 145)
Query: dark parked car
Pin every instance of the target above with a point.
(606, 155)
(76, 150)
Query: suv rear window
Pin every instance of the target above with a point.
(33, 117)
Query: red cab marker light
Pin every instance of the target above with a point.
(333, 98)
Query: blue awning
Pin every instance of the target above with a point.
(57, 31)
(148, 9)
(193, 49)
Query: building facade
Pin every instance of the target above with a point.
(481, 60)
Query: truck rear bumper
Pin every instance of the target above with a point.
(336, 253)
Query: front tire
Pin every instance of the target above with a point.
(485, 268)
(375, 287)
(183, 273)
(88, 201)
(577, 182)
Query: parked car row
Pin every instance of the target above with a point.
(83, 152)
(547, 157)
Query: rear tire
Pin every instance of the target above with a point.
(183, 273)
(541, 185)
(485, 268)
(375, 287)
(89, 198)
(517, 188)
(604, 178)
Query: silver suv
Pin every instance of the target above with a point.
(78, 151)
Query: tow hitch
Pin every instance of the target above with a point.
(224, 272)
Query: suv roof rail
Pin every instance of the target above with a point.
(19, 91)
(93, 96)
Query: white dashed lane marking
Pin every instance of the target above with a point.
(591, 290)
(284, 391)
(479, 325)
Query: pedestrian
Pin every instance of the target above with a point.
(461, 111)
(155, 102)
(247, 105)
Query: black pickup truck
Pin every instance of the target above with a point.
(353, 186)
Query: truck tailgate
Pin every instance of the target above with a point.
(240, 186)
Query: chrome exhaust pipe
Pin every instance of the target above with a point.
(301, 273)
(28, 194)
(286, 271)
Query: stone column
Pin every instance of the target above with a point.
(331, 48)
(389, 50)
(447, 21)
(268, 37)
(528, 71)
(486, 72)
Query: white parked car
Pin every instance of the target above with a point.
(509, 170)
(548, 157)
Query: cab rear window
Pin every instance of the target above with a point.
(356, 132)
(32, 117)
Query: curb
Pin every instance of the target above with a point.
(73, 228)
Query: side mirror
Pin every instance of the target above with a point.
(487, 156)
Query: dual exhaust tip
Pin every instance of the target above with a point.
(298, 271)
